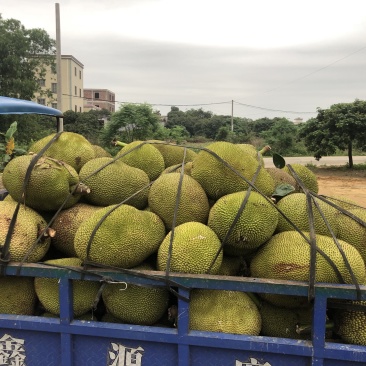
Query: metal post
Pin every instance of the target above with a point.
(232, 115)
(58, 65)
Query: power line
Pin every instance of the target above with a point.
(269, 109)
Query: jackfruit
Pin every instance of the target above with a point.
(84, 292)
(223, 311)
(113, 182)
(144, 156)
(100, 152)
(135, 304)
(125, 238)
(172, 153)
(253, 152)
(350, 324)
(305, 175)
(66, 224)
(178, 167)
(285, 323)
(218, 179)
(255, 225)
(280, 176)
(193, 201)
(351, 231)
(29, 225)
(70, 147)
(52, 183)
(17, 295)
(233, 266)
(286, 256)
(294, 206)
(193, 250)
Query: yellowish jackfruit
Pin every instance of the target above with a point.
(125, 238)
(305, 175)
(84, 292)
(223, 311)
(194, 249)
(217, 177)
(70, 147)
(193, 201)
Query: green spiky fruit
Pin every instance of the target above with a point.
(70, 147)
(304, 175)
(84, 292)
(144, 156)
(134, 304)
(194, 249)
(295, 207)
(51, 184)
(223, 311)
(256, 224)
(29, 226)
(17, 295)
(112, 182)
(215, 172)
(124, 236)
(193, 201)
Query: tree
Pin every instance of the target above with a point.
(132, 122)
(341, 126)
(281, 136)
(24, 54)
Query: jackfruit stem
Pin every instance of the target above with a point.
(265, 149)
(115, 142)
(306, 328)
(80, 188)
(46, 233)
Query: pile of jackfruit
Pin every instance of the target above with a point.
(158, 206)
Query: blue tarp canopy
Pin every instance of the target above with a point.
(20, 106)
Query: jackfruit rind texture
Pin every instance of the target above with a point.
(173, 153)
(134, 304)
(17, 295)
(351, 231)
(84, 292)
(281, 322)
(255, 225)
(223, 311)
(217, 179)
(294, 207)
(113, 182)
(70, 147)
(193, 201)
(28, 226)
(67, 223)
(286, 256)
(49, 186)
(350, 325)
(144, 156)
(305, 175)
(125, 238)
(194, 249)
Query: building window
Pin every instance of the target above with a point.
(96, 95)
(54, 87)
(76, 108)
(54, 105)
(41, 101)
(80, 109)
(80, 74)
(76, 90)
(42, 82)
(80, 93)
(75, 71)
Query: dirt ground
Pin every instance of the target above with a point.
(343, 183)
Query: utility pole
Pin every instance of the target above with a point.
(232, 116)
(58, 65)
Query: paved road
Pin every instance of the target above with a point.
(327, 160)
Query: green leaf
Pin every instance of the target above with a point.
(283, 190)
(278, 161)
(10, 132)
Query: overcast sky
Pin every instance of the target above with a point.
(270, 57)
